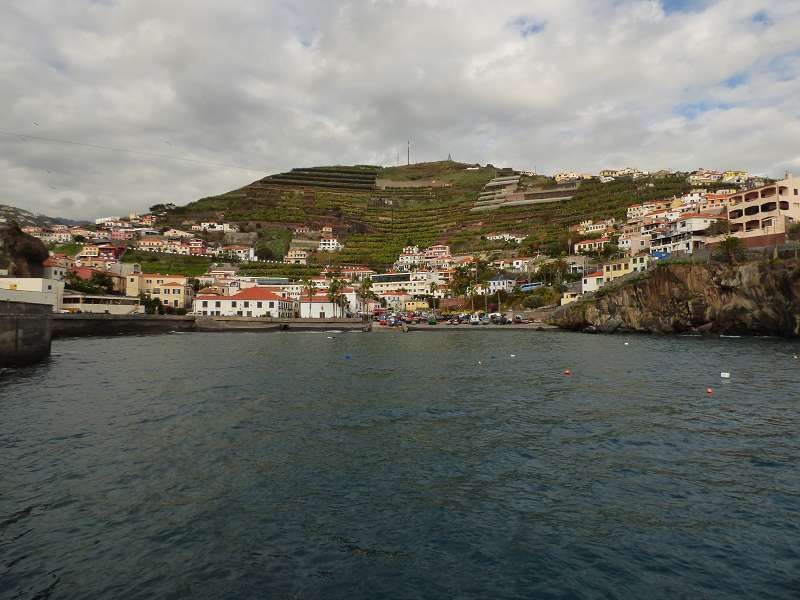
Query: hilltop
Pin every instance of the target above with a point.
(26, 218)
(376, 211)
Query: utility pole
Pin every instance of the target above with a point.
(408, 153)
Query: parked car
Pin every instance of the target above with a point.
(474, 320)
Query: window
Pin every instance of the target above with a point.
(166, 290)
(176, 302)
(217, 304)
(247, 304)
(205, 303)
(249, 313)
(239, 313)
(258, 304)
(272, 305)
(233, 304)
(156, 290)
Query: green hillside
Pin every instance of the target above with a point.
(380, 210)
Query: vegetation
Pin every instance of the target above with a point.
(174, 264)
(67, 249)
(377, 223)
(98, 284)
(730, 249)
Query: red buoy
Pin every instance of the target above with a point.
(709, 391)
(567, 372)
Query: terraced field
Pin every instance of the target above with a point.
(376, 223)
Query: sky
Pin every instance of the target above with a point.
(173, 101)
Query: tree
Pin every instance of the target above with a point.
(731, 249)
(432, 289)
(333, 293)
(310, 288)
(365, 290)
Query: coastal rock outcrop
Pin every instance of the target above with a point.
(21, 254)
(754, 298)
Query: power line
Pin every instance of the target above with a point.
(129, 151)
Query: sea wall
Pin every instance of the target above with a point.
(25, 333)
(78, 325)
(754, 298)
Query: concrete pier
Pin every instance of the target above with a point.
(25, 333)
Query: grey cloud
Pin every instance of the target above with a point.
(280, 84)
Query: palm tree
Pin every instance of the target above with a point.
(432, 289)
(333, 293)
(365, 290)
(309, 287)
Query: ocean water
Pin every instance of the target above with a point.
(421, 465)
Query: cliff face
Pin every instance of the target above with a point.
(21, 253)
(757, 298)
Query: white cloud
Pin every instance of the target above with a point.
(580, 84)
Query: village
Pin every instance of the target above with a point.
(423, 282)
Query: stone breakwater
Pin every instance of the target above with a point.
(755, 298)
(25, 332)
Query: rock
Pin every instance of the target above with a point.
(21, 254)
(757, 298)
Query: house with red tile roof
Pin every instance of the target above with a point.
(250, 302)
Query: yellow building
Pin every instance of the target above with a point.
(625, 266)
(172, 290)
(415, 305)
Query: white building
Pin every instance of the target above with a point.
(243, 253)
(35, 290)
(318, 307)
(214, 226)
(329, 244)
(501, 283)
(685, 235)
(251, 302)
(592, 282)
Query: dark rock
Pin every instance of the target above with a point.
(23, 255)
(756, 298)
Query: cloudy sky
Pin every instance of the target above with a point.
(266, 86)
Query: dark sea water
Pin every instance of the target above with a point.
(291, 465)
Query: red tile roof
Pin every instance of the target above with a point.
(256, 293)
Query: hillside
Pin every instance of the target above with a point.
(26, 218)
(379, 210)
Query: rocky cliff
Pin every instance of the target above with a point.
(755, 298)
(21, 255)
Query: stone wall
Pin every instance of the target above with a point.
(25, 331)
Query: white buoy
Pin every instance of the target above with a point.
(480, 363)
(725, 375)
(330, 337)
(512, 355)
(626, 343)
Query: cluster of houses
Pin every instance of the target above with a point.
(652, 230)
(760, 217)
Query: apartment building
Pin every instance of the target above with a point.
(765, 211)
